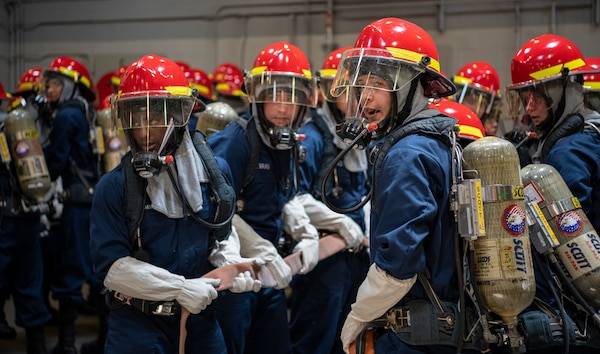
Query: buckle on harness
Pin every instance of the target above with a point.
(397, 318)
(124, 299)
(165, 309)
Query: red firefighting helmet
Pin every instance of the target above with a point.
(591, 81)
(278, 66)
(153, 85)
(479, 75)
(3, 94)
(469, 123)
(199, 80)
(543, 58)
(115, 80)
(397, 40)
(74, 70)
(228, 79)
(29, 81)
(328, 70)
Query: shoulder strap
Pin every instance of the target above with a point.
(135, 196)
(438, 126)
(330, 151)
(254, 141)
(223, 191)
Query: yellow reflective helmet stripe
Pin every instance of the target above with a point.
(413, 56)
(555, 70)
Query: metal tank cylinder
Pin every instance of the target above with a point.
(503, 275)
(578, 248)
(27, 154)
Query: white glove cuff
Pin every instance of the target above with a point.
(282, 274)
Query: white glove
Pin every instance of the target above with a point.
(132, 277)
(297, 223)
(252, 245)
(244, 282)
(228, 252)
(377, 294)
(198, 293)
(326, 219)
(280, 271)
(310, 254)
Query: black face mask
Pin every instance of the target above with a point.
(146, 164)
(351, 128)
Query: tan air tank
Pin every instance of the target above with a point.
(115, 143)
(215, 117)
(27, 155)
(503, 269)
(578, 249)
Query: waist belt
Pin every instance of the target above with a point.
(398, 319)
(158, 308)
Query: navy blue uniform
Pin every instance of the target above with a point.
(69, 143)
(321, 299)
(21, 259)
(256, 322)
(181, 246)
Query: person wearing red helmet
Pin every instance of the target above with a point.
(228, 80)
(591, 85)
(21, 262)
(478, 87)
(158, 218)
(389, 77)
(546, 96)
(321, 298)
(70, 155)
(281, 89)
(200, 82)
(469, 124)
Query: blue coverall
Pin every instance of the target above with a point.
(181, 246)
(256, 322)
(321, 299)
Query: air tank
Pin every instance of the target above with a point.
(579, 245)
(503, 275)
(215, 117)
(115, 143)
(27, 155)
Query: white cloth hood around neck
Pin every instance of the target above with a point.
(189, 170)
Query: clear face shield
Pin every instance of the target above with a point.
(375, 86)
(530, 104)
(477, 100)
(154, 125)
(281, 101)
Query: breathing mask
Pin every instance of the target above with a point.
(154, 127)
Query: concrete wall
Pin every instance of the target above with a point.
(105, 34)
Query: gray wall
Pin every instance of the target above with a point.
(105, 34)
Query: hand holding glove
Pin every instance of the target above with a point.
(197, 293)
(378, 293)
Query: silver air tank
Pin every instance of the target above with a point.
(572, 236)
(503, 275)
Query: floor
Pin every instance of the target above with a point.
(87, 327)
